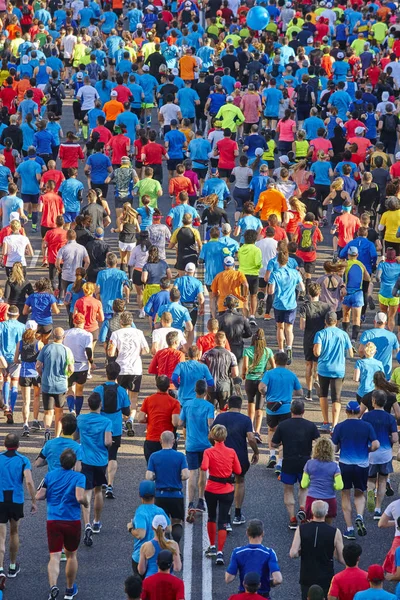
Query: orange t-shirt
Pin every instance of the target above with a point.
(90, 308)
(187, 65)
(271, 202)
(159, 409)
(180, 184)
(113, 108)
(226, 283)
(22, 86)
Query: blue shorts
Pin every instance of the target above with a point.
(285, 316)
(32, 198)
(354, 476)
(194, 460)
(104, 329)
(355, 300)
(291, 478)
(69, 217)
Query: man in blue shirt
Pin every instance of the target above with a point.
(255, 558)
(30, 173)
(312, 124)
(191, 291)
(168, 468)
(11, 332)
(111, 283)
(15, 469)
(187, 373)
(95, 432)
(129, 121)
(215, 185)
(340, 99)
(386, 342)
(272, 99)
(114, 403)
(331, 346)
(175, 143)
(180, 314)
(355, 439)
(98, 168)
(71, 192)
(64, 490)
(212, 255)
(52, 450)
(200, 150)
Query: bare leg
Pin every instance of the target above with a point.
(26, 404)
(202, 483)
(239, 491)
(346, 507)
(98, 503)
(36, 402)
(251, 411)
(58, 414)
(336, 407)
(86, 510)
(289, 334)
(258, 422)
(192, 484)
(111, 471)
(280, 336)
(53, 568)
(323, 402)
(359, 501)
(302, 497)
(3, 535)
(288, 498)
(14, 541)
(382, 479)
(48, 418)
(71, 568)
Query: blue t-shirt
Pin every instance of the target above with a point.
(258, 184)
(111, 283)
(8, 205)
(385, 342)
(273, 98)
(254, 141)
(195, 414)
(397, 564)
(53, 449)
(28, 131)
(285, 281)
(384, 425)
(368, 367)
(69, 190)
(61, 485)
(199, 149)
(27, 172)
(179, 211)
(122, 402)
(213, 254)
(334, 345)
(246, 223)
(354, 437)
(146, 219)
(99, 164)
(189, 287)
(40, 304)
(254, 558)
(143, 519)
(321, 172)
(186, 100)
(12, 468)
(180, 314)
(54, 358)
(10, 334)
(388, 272)
(92, 427)
(167, 465)
(374, 594)
(176, 140)
(185, 376)
(281, 383)
(5, 173)
(130, 120)
(108, 21)
(216, 186)
(148, 83)
(311, 126)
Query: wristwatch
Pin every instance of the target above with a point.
(130, 529)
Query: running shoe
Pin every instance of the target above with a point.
(293, 523)
(389, 489)
(47, 435)
(3, 579)
(301, 514)
(96, 527)
(363, 317)
(361, 529)
(142, 314)
(278, 470)
(317, 388)
(325, 428)
(377, 514)
(308, 395)
(13, 571)
(88, 537)
(220, 559)
(370, 501)
(129, 428)
(258, 437)
(201, 505)
(110, 492)
(36, 426)
(10, 418)
(349, 533)
(70, 593)
(211, 551)
(53, 593)
(228, 527)
(25, 431)
(34, 227)
(252, 321)
(272, 462)
(63, 557)
(260, 303)
(30, 217)
(289, 355)
(267, 317)
(239, 520)
(371, 303)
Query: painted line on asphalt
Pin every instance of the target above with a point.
(206, 583)
(187, 551)
(35, 258)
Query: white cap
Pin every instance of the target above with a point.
(284, 159)
(258, 151)
(14, 216)
(340, 55)
(229, 261)
(159, 521)
(114, 93)
(145, 68)
(79, 75)
(31, 324)
(380, 317)
(175, 72)
(310, 40)
(323, 3)
(397, 155)
(190, 268)
(328, 5)
(25, 59)
(359, 130)
(150, 7)
(229, 98)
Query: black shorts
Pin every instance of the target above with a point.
(95, 476)
(174, 507)
(225, 173)
(247, 127)
(309, 267)
(113, 450)
(308, 346)
(29, 381)
(172, 163)
(11, 511)
(201, 173)
(274, 420)
(79, 377)
(354, 476)
(221, 394)
(245, 468)
(51, 401)
(131, 383)
(137, 277)
(253, 282)
(335, 383)
(45, 329)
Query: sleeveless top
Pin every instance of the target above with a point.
(29, 354)
(317, 549)
(42, 76)
(152, 567)
(128, 233)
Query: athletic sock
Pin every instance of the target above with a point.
(78, 404)
(13, 397)
(34, 218)
(345, 326)
(71, 403)
(222, 533)
(6, 392)
(13, 566)
(177, 532)
(212, 532)
(238, 512)
(355, 332)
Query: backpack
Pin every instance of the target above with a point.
(110, 402)
(93, 70)
(303, 93)
(54, 92)
(25, 10)
(306, 241)
(389, 124)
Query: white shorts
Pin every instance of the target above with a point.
(126, 247)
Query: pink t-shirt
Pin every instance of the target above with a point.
(320, 144)
(285, 130)
(251, 105)
(193, 178)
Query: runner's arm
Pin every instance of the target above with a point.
(31, 488)
(150, 475)
(295, 549)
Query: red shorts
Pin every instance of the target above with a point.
(63, 534)
(331, 502)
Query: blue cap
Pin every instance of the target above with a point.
(147, 488)
(353, 406)
(213, 171)
(353, 250)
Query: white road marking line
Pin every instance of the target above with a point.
(206, 584)
(35, 258)
(187, 551)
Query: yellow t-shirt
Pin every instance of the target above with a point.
(391, 220)
(396, 378)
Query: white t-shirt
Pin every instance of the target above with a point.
(68, 44)
(77, 6)
(159, 337)
(16, 246)
(169, 112)
(393, 512)
(268, 251)
(129, 343)
(77, 340)
(88, 95)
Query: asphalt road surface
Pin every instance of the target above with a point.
(104, 566)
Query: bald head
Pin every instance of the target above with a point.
(58, 334)
(167, 439)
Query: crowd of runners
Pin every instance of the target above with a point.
(264, 143)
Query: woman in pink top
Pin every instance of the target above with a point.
(251, 108)
(286, 129)
(190, 174)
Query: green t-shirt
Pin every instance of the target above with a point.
(259, 370)
(250, 259)
(396, 378)
(149, 187)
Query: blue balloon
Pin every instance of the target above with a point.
(257, 18)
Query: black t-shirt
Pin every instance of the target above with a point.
(97, 213)
(314, 312)
(219, 362)
(97, 250)
(390, 400)
(161, 27)
(17, 294)
(235, 326)
(229, 60)
(372, 235)
(296, 435)
(203, 90)
(166, 89)
(237, 426)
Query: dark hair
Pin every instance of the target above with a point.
(297, 407)
(68, 459)
(250, 236)
(112, 370)
(235, 402)
(201, 387)
(315, 592)
(351, 554)
(162, 383)
(255, 528)
(68, 424)
(281, 359)
(133, 587)
(11, 440)
(94, 401)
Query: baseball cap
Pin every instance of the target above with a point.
(14, 216)
(375, 573)
(310, 40)
(352, 251)
(175, 71)
(25, 59)
(173, 122)
(190, 268)
(145, 68)
(160, 521)
(380, 317)
(125, 159)
(150, 7)
(397, 155)
(114, 93)
(218, 123)
(353, 406)
(258, 151)
(214, 171)
(229, 261)
(229, 98)
(31, 324)
(165, 559)
(251, 578)
(340, 55)
(226, 228)
(238, 85)
(147, 489)
(284, 159)
(359, 130)
(79, 76)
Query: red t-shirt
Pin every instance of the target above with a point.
(317, 237)
(69, 154)
(52, 207)
(163, 586)
(374, 72)
(104, 133)
(119, 146)
(53, 175)
(164, 361)
(352, 125)
(280, 233)
(245, 596)
(347, 225)
(8, 95)
(37, 96)
(395, 170)
(226, 148)
(220, 461)
(90, 308)
(347, 583)
(55, 239)
(207, 342)
(123, 92)
(153, 153)
(159, 409)
(362, 143)
(7, 231)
